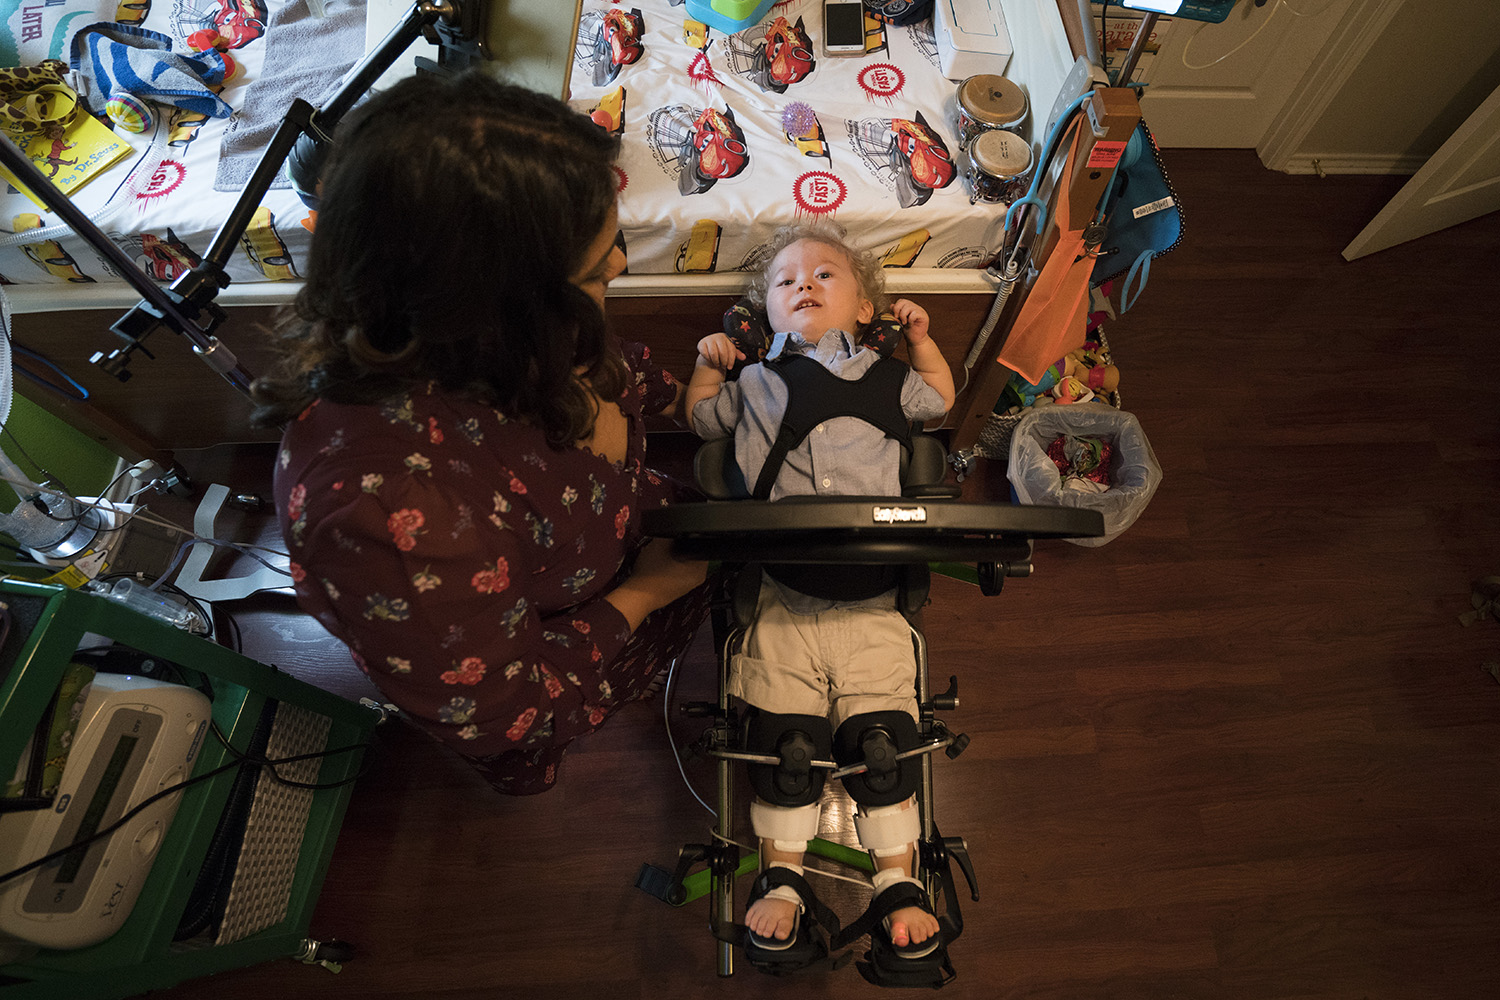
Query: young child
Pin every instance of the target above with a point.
(805, 655)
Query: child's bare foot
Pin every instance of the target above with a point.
(911, 925)
(773, 917)
(769, 917)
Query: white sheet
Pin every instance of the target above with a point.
(856, 99)
(161, 198)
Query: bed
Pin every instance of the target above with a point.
(714, 156)
(161, 203)
(162, 193)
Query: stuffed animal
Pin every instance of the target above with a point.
(1070, 390)
(748, 328)
(1087, 365)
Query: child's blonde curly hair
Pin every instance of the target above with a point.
(866, 268)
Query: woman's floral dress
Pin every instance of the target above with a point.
(463, 561)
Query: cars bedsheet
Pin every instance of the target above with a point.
(166, 198)
(727, 136)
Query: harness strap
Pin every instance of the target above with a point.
(815, 394)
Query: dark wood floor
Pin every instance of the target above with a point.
(1244, 751)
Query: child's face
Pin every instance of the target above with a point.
(812, 290)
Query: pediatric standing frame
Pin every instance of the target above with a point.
(894, 538)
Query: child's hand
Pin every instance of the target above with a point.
(719, 351)
(913, 320)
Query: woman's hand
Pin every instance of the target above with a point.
(658, 579)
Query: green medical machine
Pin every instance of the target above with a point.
(162, 885)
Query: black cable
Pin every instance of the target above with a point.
(107, 831)
(1103, 30)
(46, 473)
(240, 761)
(62, 488)
(238, 645)
(104, 493)
(206, 688)
(270, 764)
(16, 550)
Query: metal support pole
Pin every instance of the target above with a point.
(1137, 45)
(723, 881)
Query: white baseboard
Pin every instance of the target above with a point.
(1347, 163)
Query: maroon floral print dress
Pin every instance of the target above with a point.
(464, 563)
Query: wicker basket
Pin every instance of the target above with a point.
(994, 437)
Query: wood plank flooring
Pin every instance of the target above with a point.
(1245, 751)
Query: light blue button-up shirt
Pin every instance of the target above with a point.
(844, 456)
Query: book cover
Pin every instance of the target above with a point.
(69, 155)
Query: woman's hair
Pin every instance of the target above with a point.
(866, 268)
(451, 214)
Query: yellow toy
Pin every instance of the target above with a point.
(1088, 368)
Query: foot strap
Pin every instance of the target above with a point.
(894, 891)
(787, 894)
(808, 947)
(885, 964)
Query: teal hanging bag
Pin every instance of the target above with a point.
(1142, 217)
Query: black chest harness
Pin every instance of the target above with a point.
(815, 394)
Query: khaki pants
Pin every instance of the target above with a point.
(833, 664)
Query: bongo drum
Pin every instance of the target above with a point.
(987, 102)
(999, 167)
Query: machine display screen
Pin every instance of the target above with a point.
(103, 795)
(89, 825)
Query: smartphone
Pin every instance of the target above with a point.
(843, 27)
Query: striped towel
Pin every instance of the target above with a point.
(108, 57)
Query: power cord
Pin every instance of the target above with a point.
(270, 764)
(1270, 15)
(239, 761)
(666, 718)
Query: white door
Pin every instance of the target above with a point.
(1461, 181)
(1222, 85)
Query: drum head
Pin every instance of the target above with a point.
(993, 100)
(1001, 154)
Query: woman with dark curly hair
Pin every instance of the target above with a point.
(462, 469)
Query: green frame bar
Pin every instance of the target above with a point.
(141, 956)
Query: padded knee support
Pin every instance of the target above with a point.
(875, 738)
(798, 740)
